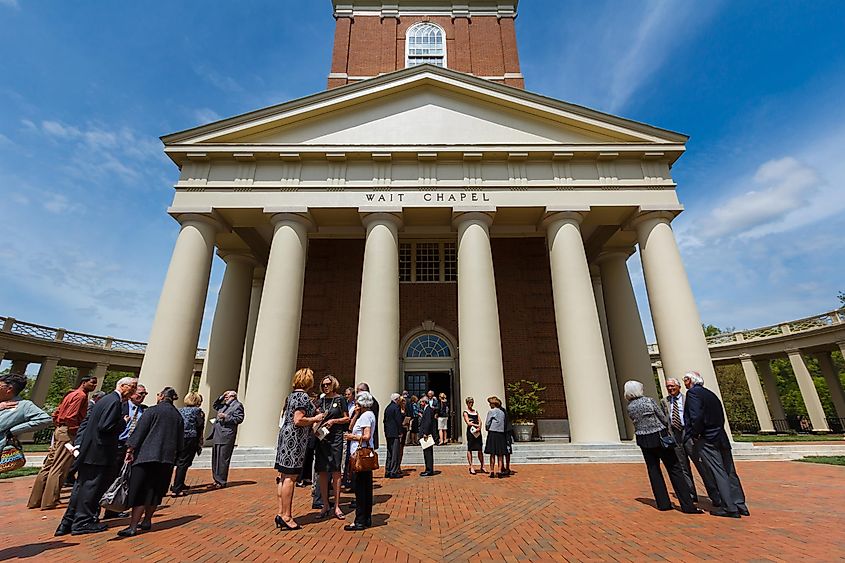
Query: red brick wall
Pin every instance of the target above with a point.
(329, 330)
(370, 45)
(527, 318)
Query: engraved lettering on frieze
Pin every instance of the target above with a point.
(415, 198)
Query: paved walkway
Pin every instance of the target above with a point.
(544, 513)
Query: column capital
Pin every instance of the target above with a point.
(50, 359)
(614, 254)
(643, 216)
(462, 217)
(292, 216)
(553, 216)
(370, 218)
(237, 256)
(791, 351)
(207, 216)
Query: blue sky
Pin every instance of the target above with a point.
(86, 89)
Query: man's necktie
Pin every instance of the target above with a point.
(133, 421)
(676, 415)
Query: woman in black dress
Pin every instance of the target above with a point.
(329, 453)
(474, 441)
(152, 449)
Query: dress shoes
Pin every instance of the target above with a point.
(354, 527)
(724, 514)
(62, 530)
(127, 533)
(693, 511)
(427, 474)
(92, 529)
(743, 511)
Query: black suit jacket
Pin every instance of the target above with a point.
(100, 438)
(159, 435)
(393, 421)
(428, 424)
(375, 409)
(704, 417)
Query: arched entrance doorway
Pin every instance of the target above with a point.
(428, 362)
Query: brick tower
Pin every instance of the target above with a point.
(374, 37)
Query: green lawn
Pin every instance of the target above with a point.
(828, 459)
(35, 447)
(787, 437)
(22, 472)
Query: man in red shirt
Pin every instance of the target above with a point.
(67, 418)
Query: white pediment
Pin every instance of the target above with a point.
(424, 106)
(426, 116)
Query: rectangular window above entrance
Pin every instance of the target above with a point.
(428, 262)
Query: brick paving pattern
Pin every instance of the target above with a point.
(544, 513)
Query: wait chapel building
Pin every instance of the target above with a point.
(426, 223)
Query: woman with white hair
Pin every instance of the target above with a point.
(653, 438)
(362, 435)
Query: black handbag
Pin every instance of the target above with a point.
(667, 441)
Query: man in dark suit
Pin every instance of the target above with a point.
(428, 427)
(97, 452)
(230, 413)
(393, 432)
(674, 406)
(131, 412)
(375, 409)
(704, 424)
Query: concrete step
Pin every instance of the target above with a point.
(548, 452)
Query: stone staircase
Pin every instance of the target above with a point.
(547, 452)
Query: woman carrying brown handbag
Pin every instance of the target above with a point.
(362, 437)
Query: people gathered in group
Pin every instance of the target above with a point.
(95, 439)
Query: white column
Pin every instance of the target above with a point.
(622, 421)
(19, 366)
(277, 331)
(100, 373)
(677, 324)
(586, 381)
(43, 380)
(479, 339)
(661, 377)
(252, 321)
(221, 367)
(757, 396)
(171, 351)
(627, 338)
(808, 391)
(376, 357)
(771, 386)
(837, 395)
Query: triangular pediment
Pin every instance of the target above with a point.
(424, 106)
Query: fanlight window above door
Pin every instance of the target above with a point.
(428, 346)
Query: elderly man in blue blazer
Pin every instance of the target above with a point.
(704, 424)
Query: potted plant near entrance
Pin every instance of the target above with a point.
(524, 406)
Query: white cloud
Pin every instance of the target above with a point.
(206, 115)
(218, 80)
(60, 204)
(11, 4)
(4, 140)
(620, 46)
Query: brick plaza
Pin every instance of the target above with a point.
(544, 513)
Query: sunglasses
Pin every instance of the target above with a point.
(329, 384)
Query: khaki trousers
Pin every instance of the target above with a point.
(49, 481)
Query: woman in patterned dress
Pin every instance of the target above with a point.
(294, 428)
